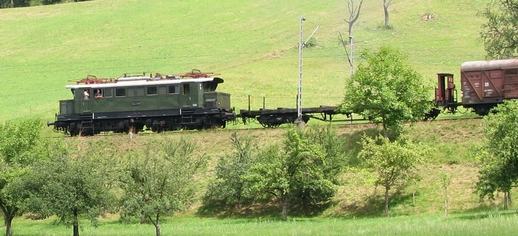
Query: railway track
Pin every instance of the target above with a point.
(250, 125)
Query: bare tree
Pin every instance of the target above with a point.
(353, 11)
(386, 5)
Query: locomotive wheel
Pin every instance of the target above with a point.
(72, 129)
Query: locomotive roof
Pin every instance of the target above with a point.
(145, 81)
(489, 65)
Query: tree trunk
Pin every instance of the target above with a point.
(446, 202)
(285, 205)
(8, 220)
(351, 45)
(386, 201)
(506, 200)
(385, 10)
(156, 223)
(157, 229)
(12, 3)
(75, 223)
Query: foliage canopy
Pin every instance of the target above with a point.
(386, 90)
(71, 184)
(301, 175)
(499, 155)
(499, 33)
(20, 145)
(160, 180)
(227, 190)
(394, 163)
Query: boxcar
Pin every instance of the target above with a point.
(484, 84)
(488, 83)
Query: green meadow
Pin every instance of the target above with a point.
(252, 44)
(502, 223)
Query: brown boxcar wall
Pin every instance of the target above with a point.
(511, 83)
(482, 86)
(489, 83)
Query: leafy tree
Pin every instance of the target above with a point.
(301, 175)
(394, 163)
(19, 147)
(499, 156)
(333, 148)
(386, 90)
(74, 182)
(228, 188)
(499, 32)
(160, 180)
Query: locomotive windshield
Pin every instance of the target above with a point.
(211, 86)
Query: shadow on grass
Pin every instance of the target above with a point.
(270, 211)
(483, 213)
(352, 144)
(374, 205)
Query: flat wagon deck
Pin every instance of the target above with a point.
(279, 116)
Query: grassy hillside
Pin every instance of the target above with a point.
(252, 44)
(448, 145)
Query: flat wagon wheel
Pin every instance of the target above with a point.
(263, 123)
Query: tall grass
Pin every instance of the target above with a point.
(488, 223)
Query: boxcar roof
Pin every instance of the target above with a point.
(489, 65)
(143, 82)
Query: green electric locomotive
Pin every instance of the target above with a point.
(134, 103)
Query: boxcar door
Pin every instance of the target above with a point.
(493, 83)
(511, 83)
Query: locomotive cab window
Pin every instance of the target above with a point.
(173, 89)
(120, 92)
(186, 89)
(86, 94)
(99, 93)
(209, 87)
(151, 91)
(108, 93)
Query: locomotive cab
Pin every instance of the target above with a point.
(213, 99)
